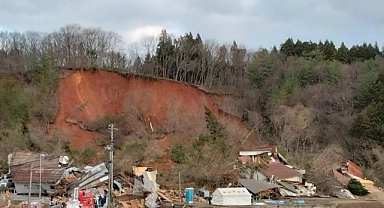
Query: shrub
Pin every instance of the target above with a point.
(86, 156)
(357, 188)
(178, 153)
(101, 123)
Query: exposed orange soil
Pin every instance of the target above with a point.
(86, 94)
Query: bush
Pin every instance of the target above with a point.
(178, 153)
(357, 188)
(86, 156)
(101, 123)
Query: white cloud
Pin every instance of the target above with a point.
(136, 34)
(253, 23)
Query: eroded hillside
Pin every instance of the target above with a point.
(175, 110)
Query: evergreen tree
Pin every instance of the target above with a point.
(44, 74)
(320, 46)
(342, 53)
(307, 47)
(274, 50)
(377, 50)
(137, 65)
(288, 48)
(353, 54)
(370, 123)
(216, 129)
(299, 48)
(165, 52)
(329, 50)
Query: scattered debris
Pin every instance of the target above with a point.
(344, 194)
(274, 173)
(266, 175)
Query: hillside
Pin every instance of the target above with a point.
(320, 105)
(175, 110)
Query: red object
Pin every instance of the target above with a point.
(86, 199)
(244, 159)
(355, 169)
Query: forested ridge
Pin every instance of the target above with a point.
(319, 103)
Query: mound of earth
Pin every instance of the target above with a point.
(148, 104)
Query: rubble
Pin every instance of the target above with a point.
(275, 179)
(274, 169)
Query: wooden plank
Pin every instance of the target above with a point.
(164, 197)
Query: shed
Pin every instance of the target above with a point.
(355, 169)
(255, 186)
(231, 197)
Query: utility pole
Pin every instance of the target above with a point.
(30, 186)
(41, 155)
(110, 148)
(180, 187)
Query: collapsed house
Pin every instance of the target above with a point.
(274, 169)
(260, 189)
(26, 168)
(95, 178)
(144, 191)
(344, 173)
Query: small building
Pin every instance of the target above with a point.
(231, 197)
(252, 155)
(255, 186)
(25, 169)
(354, 169)
(279, 171)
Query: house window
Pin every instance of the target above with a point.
(52, 186)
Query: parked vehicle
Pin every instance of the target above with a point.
(6, 184)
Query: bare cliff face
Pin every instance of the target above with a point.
(173, 109)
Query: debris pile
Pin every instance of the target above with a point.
(269, 175)
(344, 174)
(145, 191)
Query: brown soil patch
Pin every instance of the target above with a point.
(169, 106)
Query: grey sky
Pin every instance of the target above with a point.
(252, 23)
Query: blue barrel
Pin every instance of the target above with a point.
(189, 195)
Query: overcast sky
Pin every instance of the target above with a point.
(252, 23)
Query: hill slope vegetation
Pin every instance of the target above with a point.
(320, 105)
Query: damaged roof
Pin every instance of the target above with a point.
(21, 158)
(258, 151)
(279, 170)
(256, 186)
(355, 169)
(340, 177)
(244, 159)
(50, 173)
(22, 163)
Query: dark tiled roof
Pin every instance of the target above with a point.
(21, 163)
(256, 186)
(48, 175)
